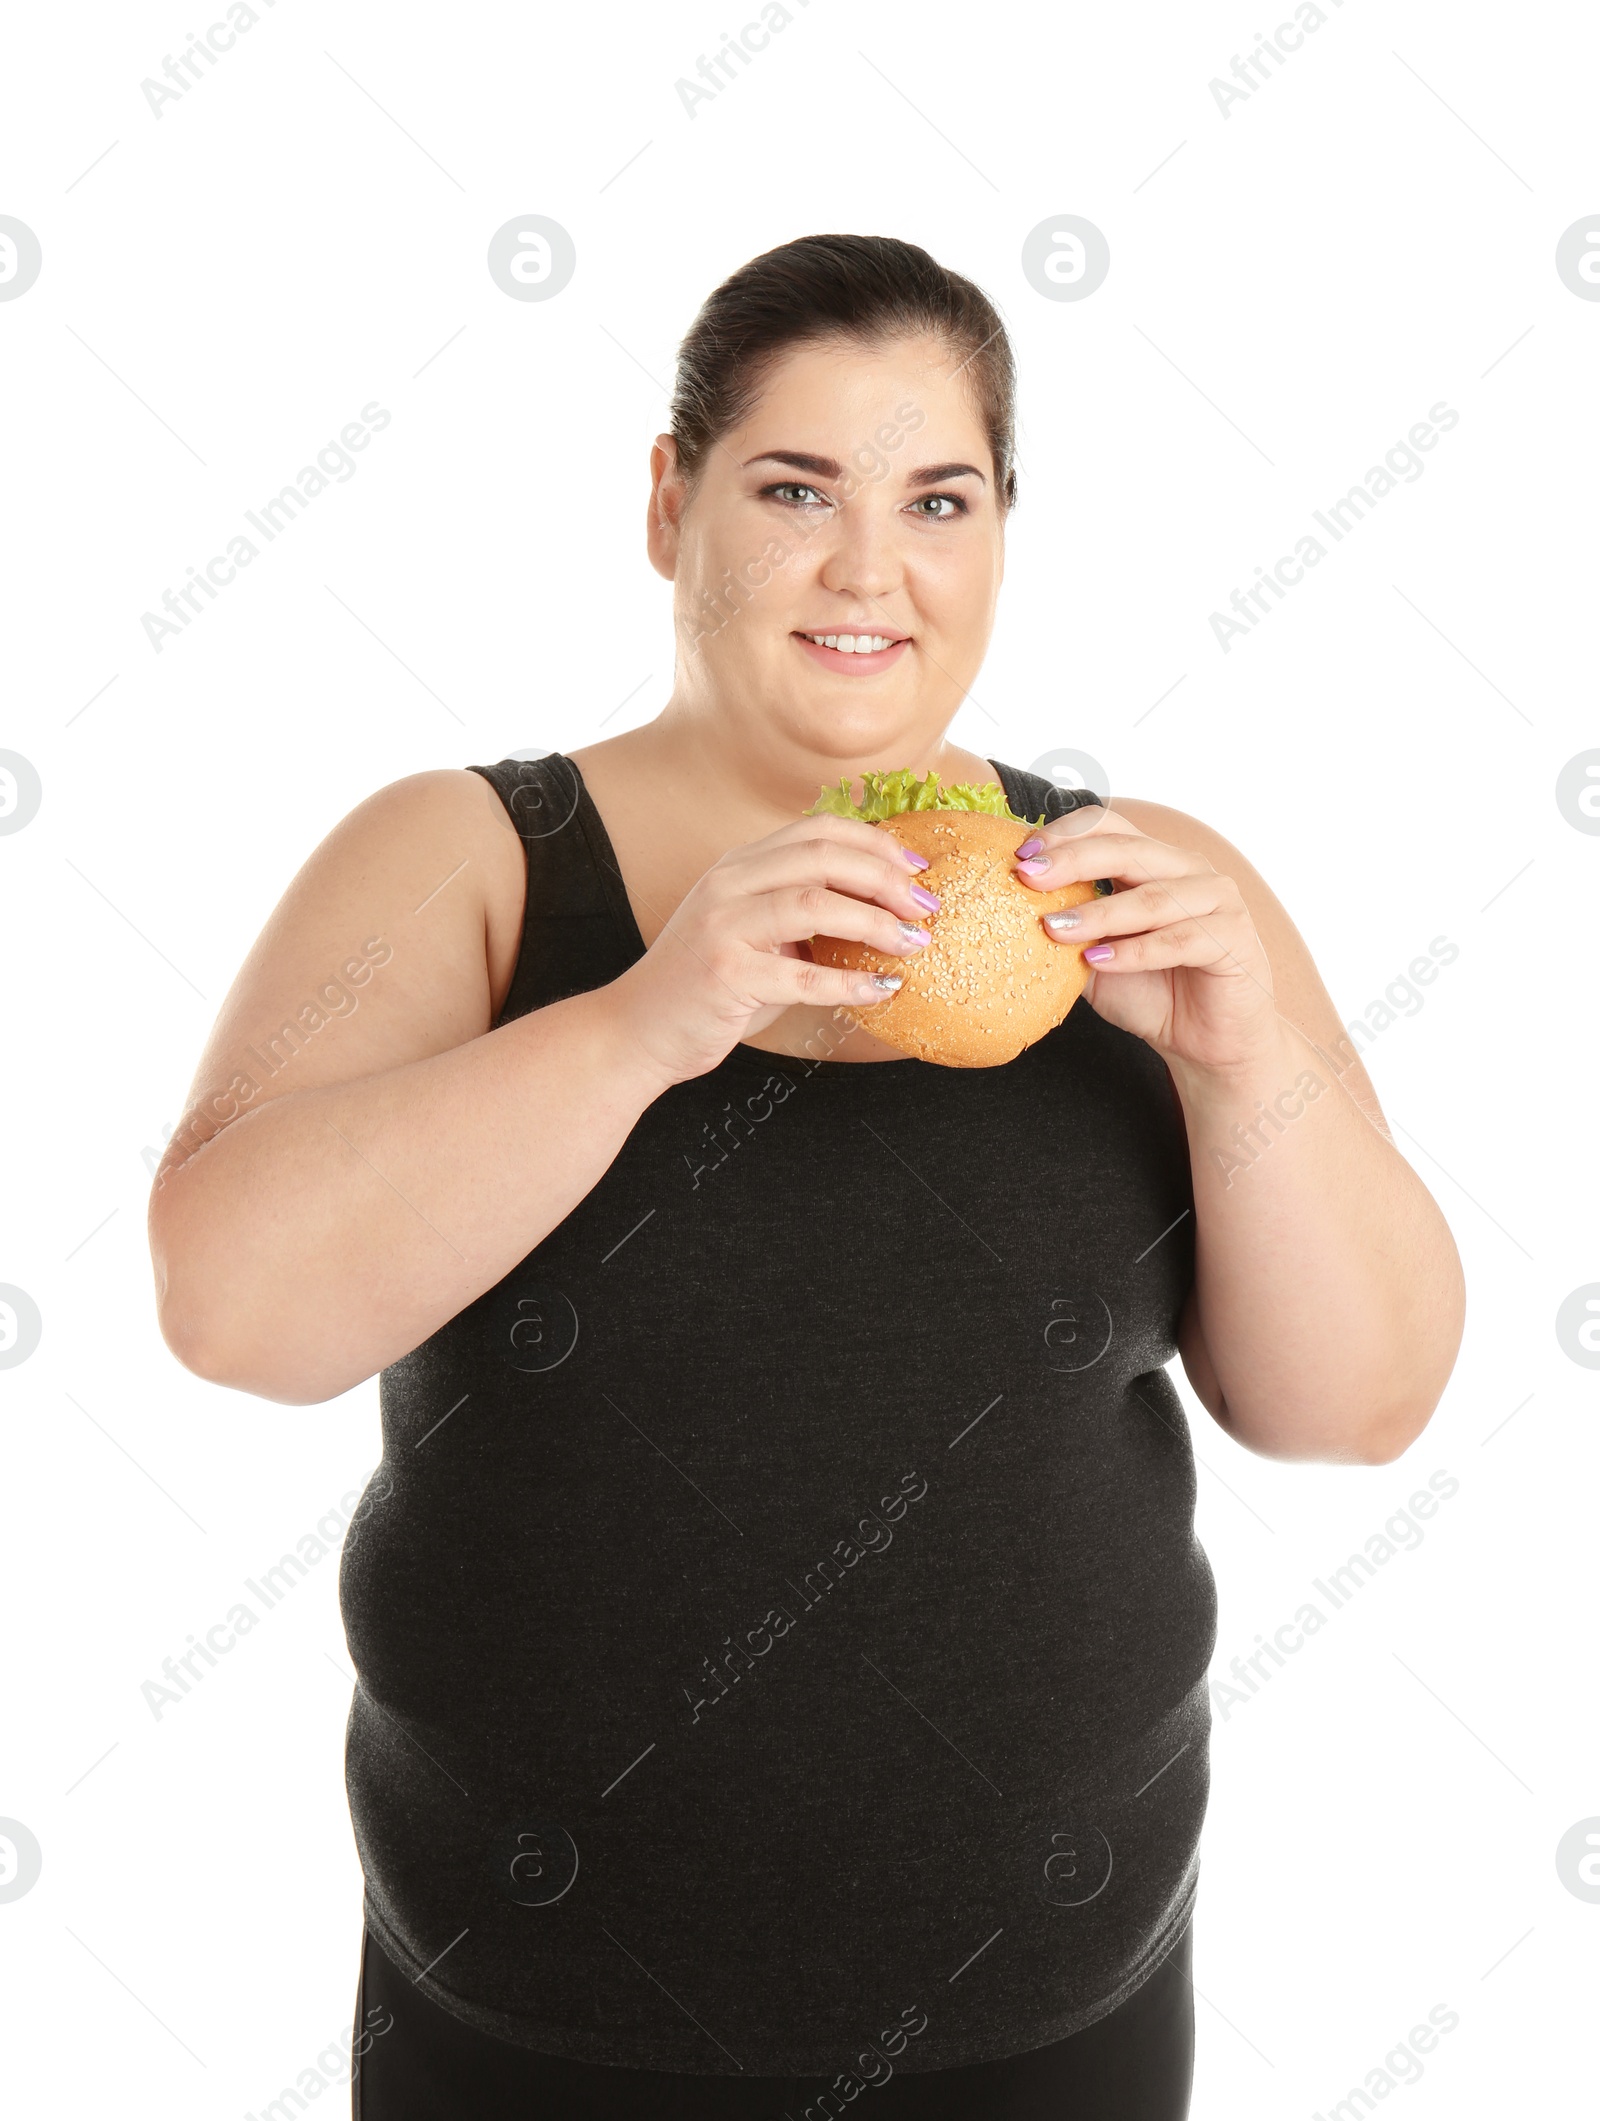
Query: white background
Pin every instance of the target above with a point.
(1371, 232)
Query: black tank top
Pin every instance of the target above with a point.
(778, 1618)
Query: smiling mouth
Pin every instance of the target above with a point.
(862, 653)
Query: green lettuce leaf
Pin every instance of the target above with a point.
(889, 794)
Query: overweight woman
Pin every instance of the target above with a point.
(780, 1632)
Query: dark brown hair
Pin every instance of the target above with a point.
(867, 288)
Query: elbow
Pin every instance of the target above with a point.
(238, 1370)
(225, 1335)
(209, 1336)
(195, 1338)
(1383, 1449)
(1330, 1431)
(182, 1320)
(1394, 1435)
(1407, 1413)
(185, 1341)
(185, 1299)
(1368, 1416)
(1402, 1417)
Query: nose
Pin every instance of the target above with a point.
(862, 559)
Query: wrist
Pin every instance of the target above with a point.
(614, 1048)
(1275, 1068)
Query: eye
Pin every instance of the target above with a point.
(788, 487)
(952, 502)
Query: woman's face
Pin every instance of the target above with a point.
(857, 499)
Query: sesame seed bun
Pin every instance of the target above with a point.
(992, 981)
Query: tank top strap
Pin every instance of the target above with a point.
(578, 930)
(1030, 795)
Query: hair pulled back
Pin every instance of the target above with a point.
(819, 288)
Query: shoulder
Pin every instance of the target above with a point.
(446, 814)
(413, 885)
(1176, 827)
(435, 802)
(440, 835)
(467, 821)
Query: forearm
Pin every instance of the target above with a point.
(1328, 1291)
(329, 1231)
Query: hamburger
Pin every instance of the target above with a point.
(991, 981)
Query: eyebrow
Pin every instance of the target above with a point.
(827, 468)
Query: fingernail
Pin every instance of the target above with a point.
(917, 861)
(924, 899)
(885, 982)
(1062, 920)
(914, 934)
(1098, 954)
(1036, 864)
(1030, 846)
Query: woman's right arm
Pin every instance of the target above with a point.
(396, 1156)
(362, 1154)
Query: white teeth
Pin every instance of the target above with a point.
(852, 643)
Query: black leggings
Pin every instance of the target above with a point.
(1137, 2064)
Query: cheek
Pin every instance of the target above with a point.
(959, 588)
(721, 548)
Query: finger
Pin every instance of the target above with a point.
(1131, 857)
(772, 980)
(754, 978)
(804, 910)
(1198, 895)
(1200, 945)
(1084, 822)
(828, 824)
(1091, 821)
(866, 873)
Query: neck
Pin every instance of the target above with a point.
(753, 784)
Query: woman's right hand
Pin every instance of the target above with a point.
(733, 956)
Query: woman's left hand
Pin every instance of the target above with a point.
(1174, 953)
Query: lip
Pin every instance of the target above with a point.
(861, 666)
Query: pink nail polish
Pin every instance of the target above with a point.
(1098, 954)
(917, 861)
(1036, 864)
(1029, 846)
(925, 899)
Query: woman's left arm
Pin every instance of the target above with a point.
(1328, 1297)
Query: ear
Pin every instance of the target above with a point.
(668, 493)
